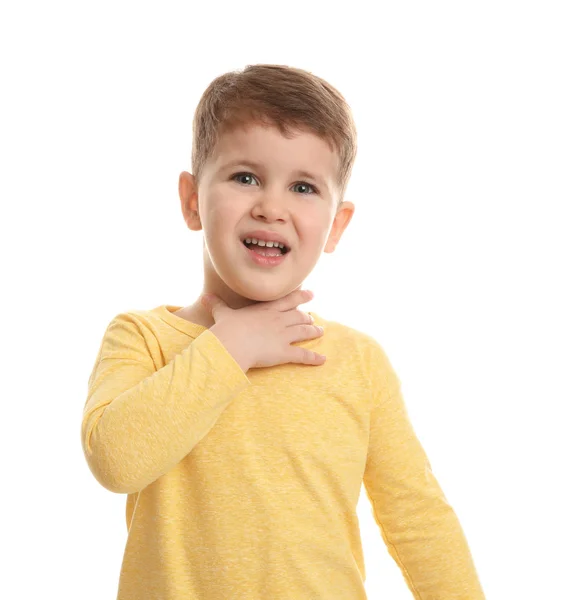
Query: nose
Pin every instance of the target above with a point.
(270, 208)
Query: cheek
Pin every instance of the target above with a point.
(315, 229)
(223, 215)
(222, 210)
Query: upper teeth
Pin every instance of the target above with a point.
(263, 243)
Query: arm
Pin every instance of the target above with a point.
(140, 422)
(419, 527)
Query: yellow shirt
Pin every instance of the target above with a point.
(244, 485)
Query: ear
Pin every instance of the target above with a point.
(343, 217)
(189, 201)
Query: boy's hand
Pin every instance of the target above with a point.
(260, 335)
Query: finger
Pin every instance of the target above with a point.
(292, 300)
(307, 357)
(297, 317)
(302, 333)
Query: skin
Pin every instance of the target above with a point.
(272, 198)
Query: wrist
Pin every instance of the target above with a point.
(232, 347)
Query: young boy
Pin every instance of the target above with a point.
(240, 431)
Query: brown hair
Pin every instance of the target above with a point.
(275, 95)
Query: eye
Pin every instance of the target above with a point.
(241, 174)
(245, 174)
(312, 187)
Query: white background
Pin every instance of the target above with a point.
(452, 261)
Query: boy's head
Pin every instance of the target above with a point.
(255, 134)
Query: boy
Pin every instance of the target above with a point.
(240, 431)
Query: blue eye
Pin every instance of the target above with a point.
(312, 187)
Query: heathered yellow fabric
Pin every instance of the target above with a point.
(244, 486)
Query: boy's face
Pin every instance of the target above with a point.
(272, 197)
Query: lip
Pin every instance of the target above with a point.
(267, 236)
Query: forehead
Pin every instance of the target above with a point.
(267, 146)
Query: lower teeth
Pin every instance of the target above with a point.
(258, 250)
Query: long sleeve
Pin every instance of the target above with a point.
(418, 525)
(139, 422)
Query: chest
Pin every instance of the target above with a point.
(292, 425)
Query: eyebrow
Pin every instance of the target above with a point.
(256, 165)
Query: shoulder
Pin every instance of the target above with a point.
(346, 334)
(137, 318)
(135, 327)
(362, 346)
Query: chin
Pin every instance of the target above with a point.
(264, 296)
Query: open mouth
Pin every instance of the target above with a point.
(283, 251)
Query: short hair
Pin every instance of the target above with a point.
(275, 95)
